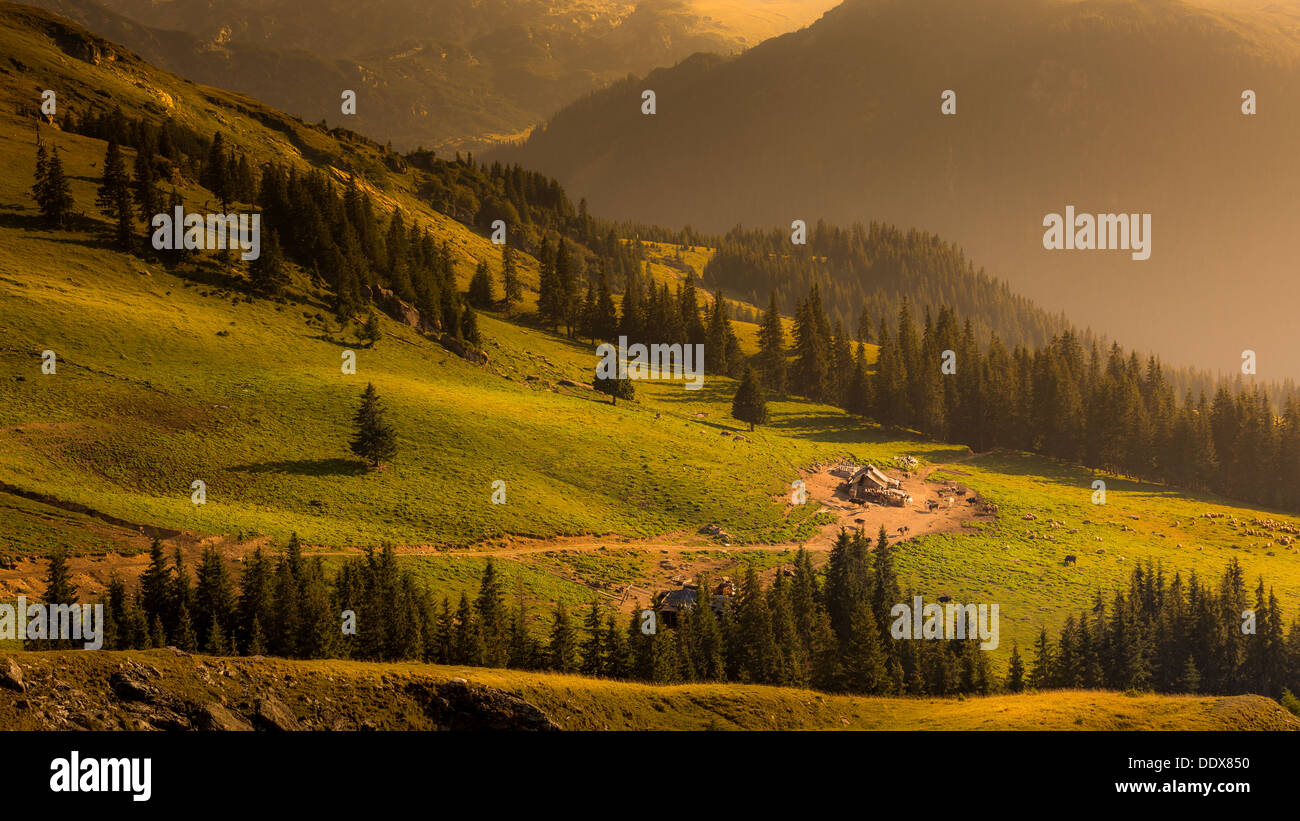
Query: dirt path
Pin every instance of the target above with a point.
(92, 573)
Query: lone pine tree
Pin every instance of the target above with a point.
(614, 388)
(374, 440)
(749, 404)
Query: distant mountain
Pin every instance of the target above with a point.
(1105, 105)
(437, 73)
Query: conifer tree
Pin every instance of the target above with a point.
(370, 332)
(467, 647)
(564, 643)
(593, 644)
(157, 635)
(374, 440)
(185, 637)
(865, 663)
(812, 348)
(718, 338)
(445, 634)
(216, 176)
(114, 196)
(512, 287)
(148, 199)
(1015, 671)
(480, 287)
(52, 192)
(827, 672)
(469, 327)
(268, 272)
(791, 652)
(156, 586)
(566, 280)
(254, 601)
(257, 639)
(522, 650)
(617, 653)
(749, 404)
(706, 635)
(59, 588)
(758, 650)
(613, 387)
(1040, 677)
(1190, 680)
(492, 617)
(214, 602)
(605, 324)
(864, 326)
(549, 291)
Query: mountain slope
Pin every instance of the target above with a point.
(167, 376)
(438, 74)
(1106, 105)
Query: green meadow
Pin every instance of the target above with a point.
(163, 380)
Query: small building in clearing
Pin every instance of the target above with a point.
(672, 602)
(868, 478)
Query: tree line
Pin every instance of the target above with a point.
(1110, 410)
(1171, 635)
(828, 630)
(869, 270)
(332, 233)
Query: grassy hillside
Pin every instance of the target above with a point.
(165, 689)
(175, 381)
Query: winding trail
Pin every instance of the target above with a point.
(92, 572)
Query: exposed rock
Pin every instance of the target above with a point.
(213, 716)
(83, 46)
(463, 350)
(457, 705)
(271, 714)
(11, 676)
(395, 308)
(129, 689)
(155, 690)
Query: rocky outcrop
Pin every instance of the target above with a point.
(458, 705)
(396, 309)
(463, 350)
(169, 690)
(214, 716)
(410, 316)
(271, 714)
(11, 675)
